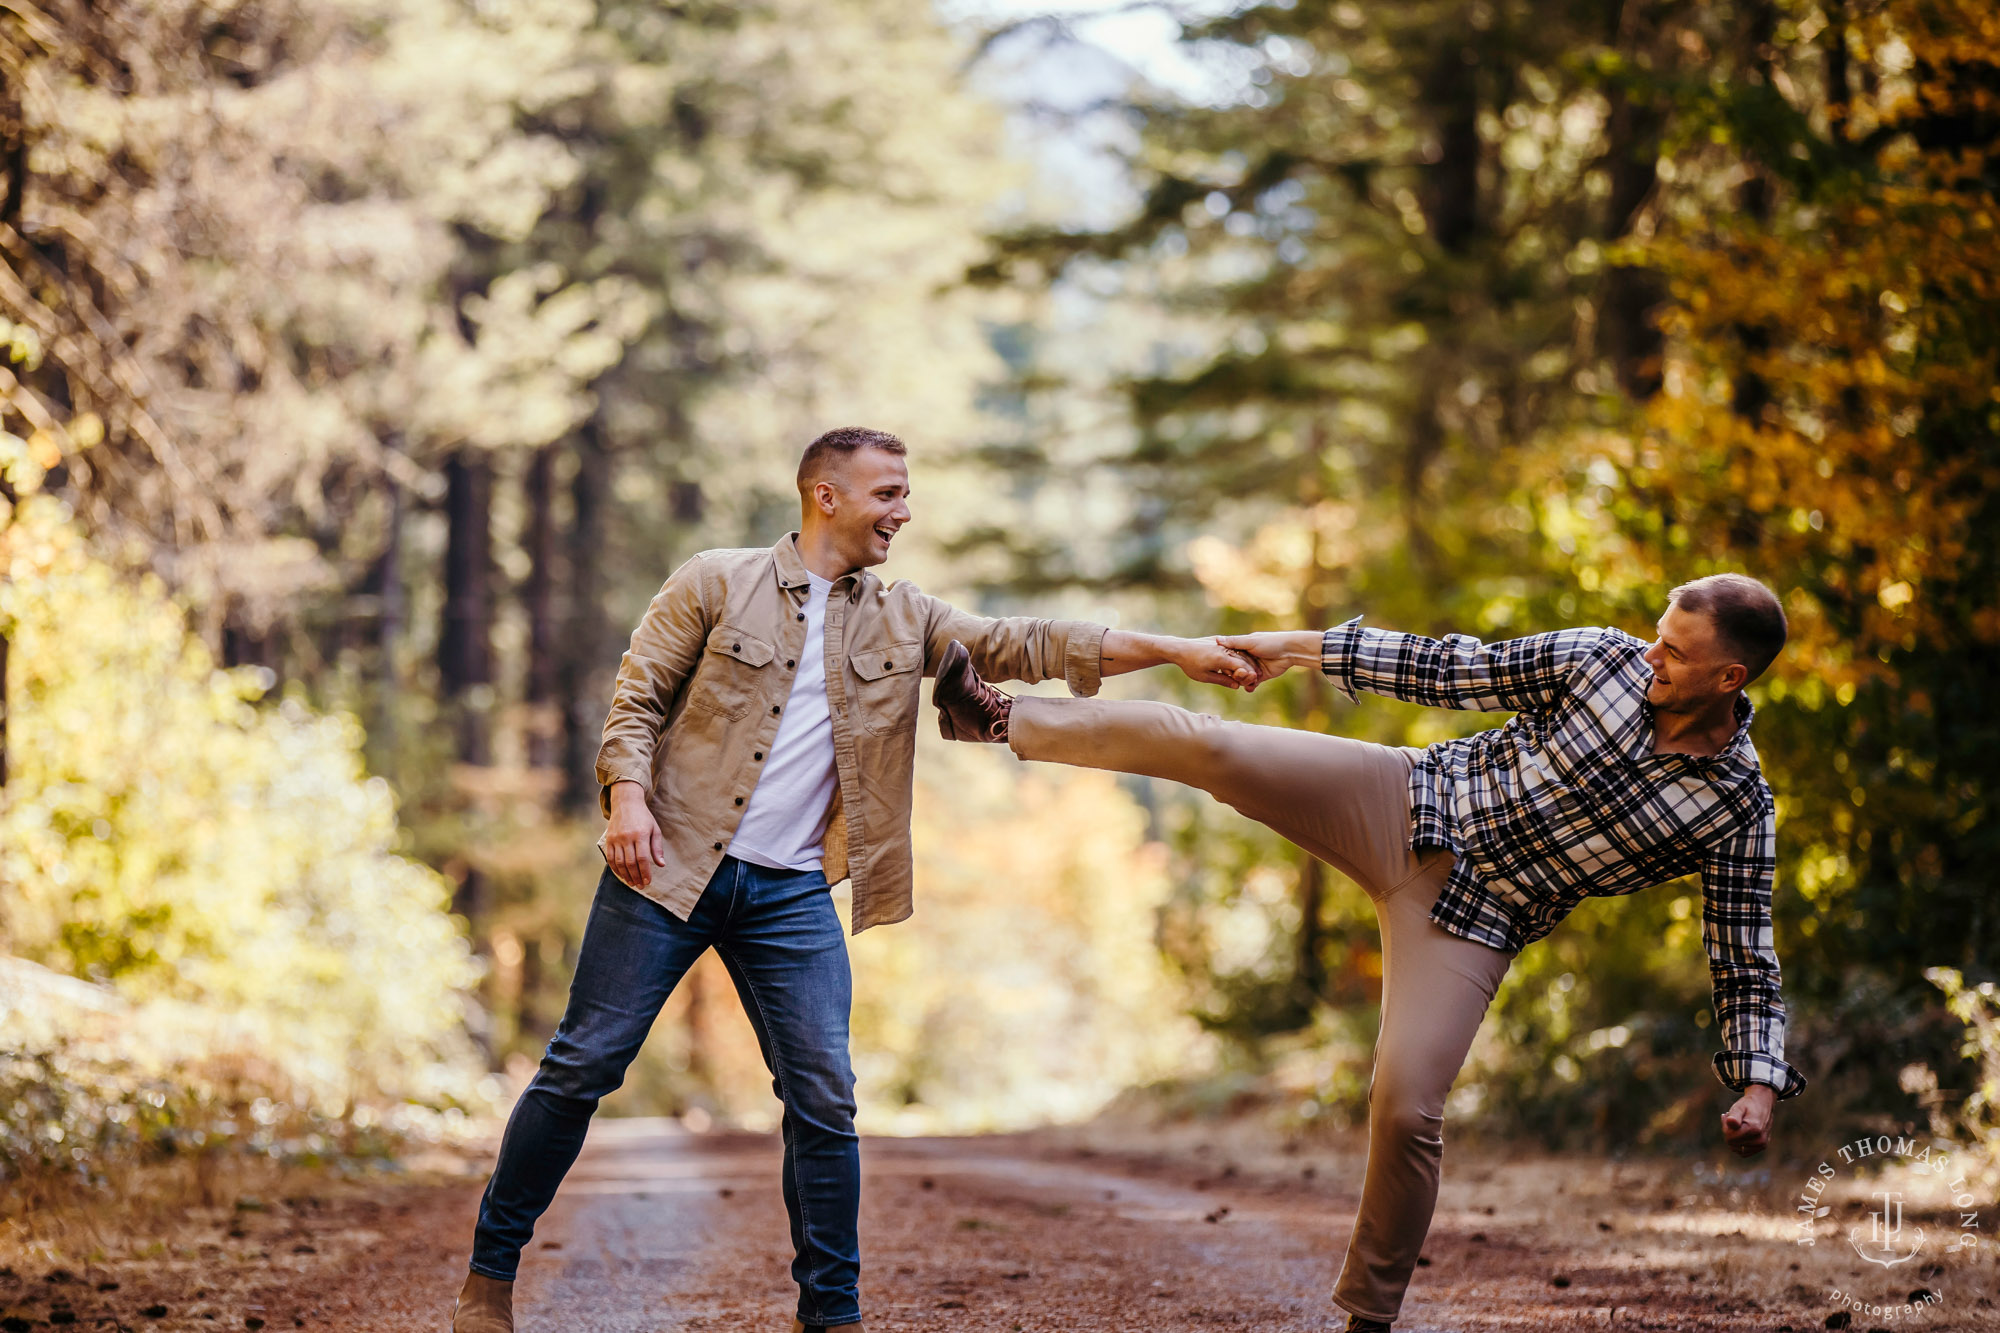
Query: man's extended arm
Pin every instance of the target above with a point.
(1078, 652)
(1457, 671)
(1736, 876)
(1202, 659)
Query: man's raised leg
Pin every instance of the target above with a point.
(1345, 801)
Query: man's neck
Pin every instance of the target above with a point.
(820, 557)
(1704, 733)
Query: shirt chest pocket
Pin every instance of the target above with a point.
(731, 679)
(886, 692)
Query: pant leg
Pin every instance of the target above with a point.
(785, 951)
(1345, 801)
(634, 953)
(1435, 989)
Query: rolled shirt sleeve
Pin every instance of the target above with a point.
(1023, 648)
(1737, 875)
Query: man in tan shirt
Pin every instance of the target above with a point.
(761, 746)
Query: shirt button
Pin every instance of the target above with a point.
(791, 662)
(774, 710)
(718, 846)
(739, 800)
(759, 755)
(735, 647)
(887, 665)
(802, 615)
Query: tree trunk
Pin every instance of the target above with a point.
(1750, 394)
(1451, 185)
(1312, 906)
(389, 616)
(242, 644)
(7, 497)
(1632, 157)
(1313, 606)
(581, 668)
(3, 710)
(701, 1063)
(544, 727)
(1449, 100)
(13, 161)
(1839, 97)
(465, 646)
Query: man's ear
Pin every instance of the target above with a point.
(825, 497)
(1734, 677)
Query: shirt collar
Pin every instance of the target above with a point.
(1738, 743)
(792, 572)
(791, 565)
(1746, 712)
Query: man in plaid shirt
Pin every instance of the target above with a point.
(1626, 764)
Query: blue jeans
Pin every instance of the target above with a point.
(778, 935)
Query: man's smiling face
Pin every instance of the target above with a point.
(1691, 665)
(872, 492)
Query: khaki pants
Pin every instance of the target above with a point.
(1346, 802)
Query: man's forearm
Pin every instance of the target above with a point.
(1128, 650)
(1203, 660)
(1296, 648)
(1124, 650)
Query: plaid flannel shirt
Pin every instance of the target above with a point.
(1568, 801)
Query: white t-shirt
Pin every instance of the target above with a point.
(784, 824)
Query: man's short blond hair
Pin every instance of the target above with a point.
(826, 454)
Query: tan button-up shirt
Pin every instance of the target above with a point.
(709, 672)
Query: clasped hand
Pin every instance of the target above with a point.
(1245, 661)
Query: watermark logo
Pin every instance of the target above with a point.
(1882, 1227)
(1885, 1233)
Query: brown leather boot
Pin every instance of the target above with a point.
(968, 708)
(485, 1305)
(854, 1327)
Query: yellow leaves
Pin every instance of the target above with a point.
(161, 833)
(1852, 327)
(1271, 573)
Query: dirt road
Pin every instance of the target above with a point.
(659, 1230)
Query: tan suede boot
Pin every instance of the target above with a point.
(854, 1327)
(485, 1305)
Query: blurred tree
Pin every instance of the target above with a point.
(1497, 317)
(167, 163)
(1829, 423)
(413, 344)
(1382, 252)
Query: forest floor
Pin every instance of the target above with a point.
(1096, 1228)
